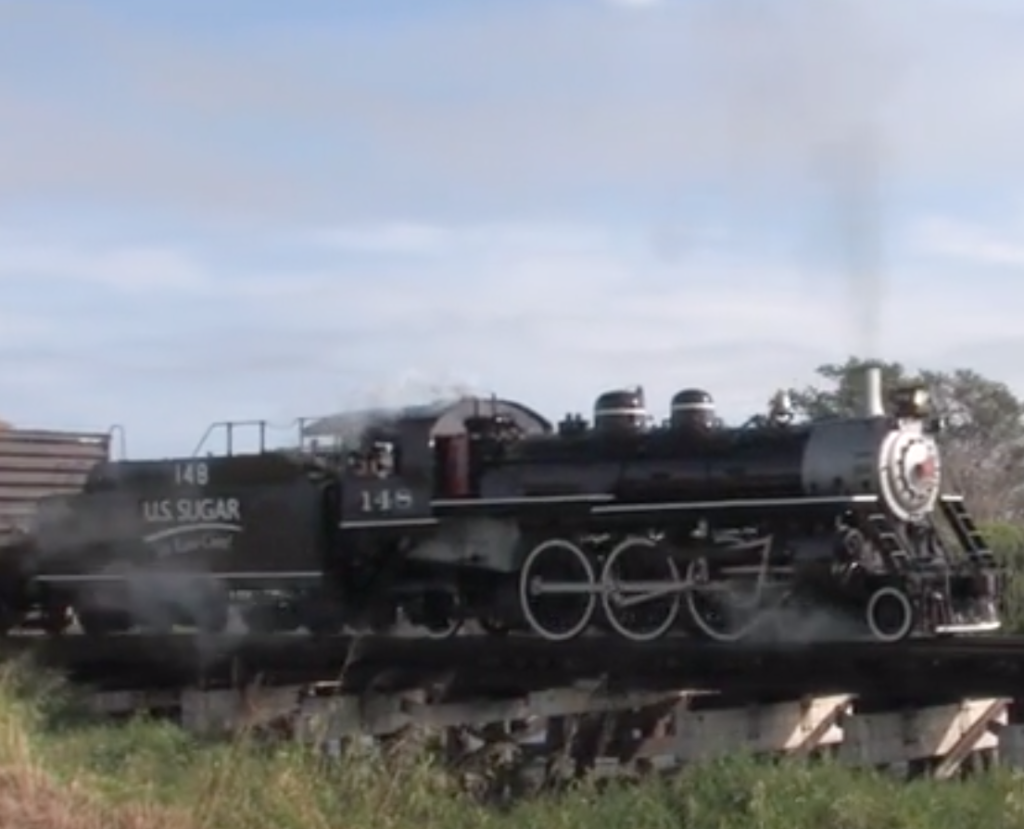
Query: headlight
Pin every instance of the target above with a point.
(911, 402)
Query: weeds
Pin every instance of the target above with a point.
(62, 768)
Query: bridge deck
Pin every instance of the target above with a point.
(479, 665)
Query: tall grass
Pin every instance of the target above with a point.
(1007, 541)
(59, 768)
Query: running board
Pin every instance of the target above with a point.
(738, 504)
(970, 627)
(598, 504)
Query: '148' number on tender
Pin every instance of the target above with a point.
(192, 474)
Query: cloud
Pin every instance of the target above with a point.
(421, 237)
(330, 118)
(635, 4)
(17, 328)
(136, 269)
(972, 242)
(550, 315)
(293, 213)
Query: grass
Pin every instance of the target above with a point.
(59, 768)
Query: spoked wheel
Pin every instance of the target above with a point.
(95, 622)
(724, 613)
(9, 617)
(200, 601)
(259, 617)
(641, 600)
(214, 612)
(494, 627)
(890, 615)
(323, 625)
(445, 631)
(556, 590)
(437, 614)
(321, 613)
(57, 619)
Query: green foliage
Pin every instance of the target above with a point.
(1006, 540)
(164, 778)
(841, 396)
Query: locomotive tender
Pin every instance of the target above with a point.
(481, 509)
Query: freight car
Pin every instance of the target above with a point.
(35, 464)
(483, 510)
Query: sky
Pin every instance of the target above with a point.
(257, 210)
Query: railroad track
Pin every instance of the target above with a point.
(482, 665)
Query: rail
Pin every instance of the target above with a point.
(478, 664)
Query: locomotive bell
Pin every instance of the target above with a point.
(780, 409)
(693, 409)
(620, 410)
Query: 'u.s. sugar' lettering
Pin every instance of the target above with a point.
(192, 511)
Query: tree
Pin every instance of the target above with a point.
(983, 438)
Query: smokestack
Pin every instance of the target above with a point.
(873, 406)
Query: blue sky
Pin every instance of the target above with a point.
(254, 209)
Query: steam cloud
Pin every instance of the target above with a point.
(386, 401)
(788, 624)
(156, 598)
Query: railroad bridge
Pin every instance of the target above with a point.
(935, 707)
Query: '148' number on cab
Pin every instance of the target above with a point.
(385, 500)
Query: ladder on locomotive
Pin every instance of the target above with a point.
(881, 532)
(965, 529)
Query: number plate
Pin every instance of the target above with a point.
(385, 500)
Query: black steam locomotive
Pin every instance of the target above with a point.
(482, 510)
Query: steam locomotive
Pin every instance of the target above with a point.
(481, 510)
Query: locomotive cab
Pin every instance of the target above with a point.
(465, 441)
(410, 457)
(378, 457)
